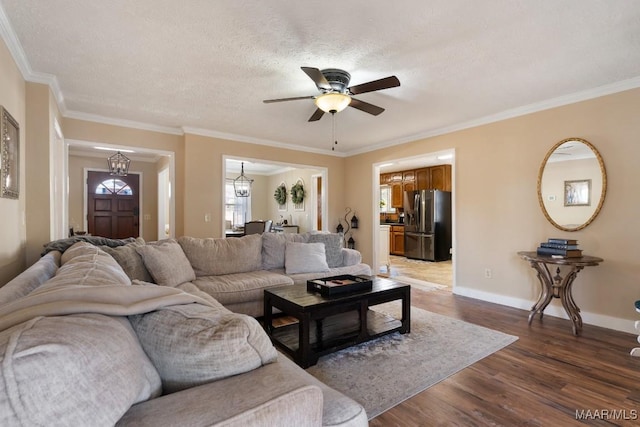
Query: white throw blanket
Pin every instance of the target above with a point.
(109, 300)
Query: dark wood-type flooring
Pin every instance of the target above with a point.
(540, 380)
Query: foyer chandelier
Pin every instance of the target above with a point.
(242, 184)
(118, 164)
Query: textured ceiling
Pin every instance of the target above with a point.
(205, 66)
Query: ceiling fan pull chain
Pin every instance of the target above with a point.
(333, 130)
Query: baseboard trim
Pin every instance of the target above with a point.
(609, 322)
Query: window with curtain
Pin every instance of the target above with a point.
(237, 210)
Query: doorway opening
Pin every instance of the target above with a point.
(267, 176)
(393, 180)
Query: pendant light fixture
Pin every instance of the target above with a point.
(242, 184)
(118, 164)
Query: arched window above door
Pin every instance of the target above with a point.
(114, 186)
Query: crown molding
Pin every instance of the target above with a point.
(259, 141)
(548, 104)
(123, 122)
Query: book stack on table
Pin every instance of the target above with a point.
(560, 248)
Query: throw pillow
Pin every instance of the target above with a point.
(194, 344)
(166, 262)
(74, 370)
(130, 261)
(273, 247)
(332, 246)
(305, 258)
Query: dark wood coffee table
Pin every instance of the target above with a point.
(328, 324)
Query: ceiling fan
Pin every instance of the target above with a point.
(337, 94)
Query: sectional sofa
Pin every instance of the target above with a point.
(157, 334)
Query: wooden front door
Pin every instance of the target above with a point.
(113, 209)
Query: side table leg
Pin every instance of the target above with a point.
(546, 295)
(568, 303)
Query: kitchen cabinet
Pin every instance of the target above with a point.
(385, 178)
(440, 177)
(396, 194)
(396, 177)
(423, 181)
(409, 186)
(396, 239)
(408, 176)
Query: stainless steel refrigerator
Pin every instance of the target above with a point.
(427, 225)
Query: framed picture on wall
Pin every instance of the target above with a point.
(9, 155)
(577, 192)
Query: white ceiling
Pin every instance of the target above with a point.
(205, 67)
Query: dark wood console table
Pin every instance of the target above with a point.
(558, 286)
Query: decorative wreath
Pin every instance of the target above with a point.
(297, 193)
(281, 194)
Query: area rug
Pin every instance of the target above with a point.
(382, 373)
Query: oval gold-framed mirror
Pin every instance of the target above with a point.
(572, 184)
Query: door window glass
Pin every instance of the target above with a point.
(114, 186)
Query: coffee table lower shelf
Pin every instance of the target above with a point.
(334, 333)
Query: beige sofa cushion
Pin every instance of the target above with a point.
(82, 369)
(213, 257)
(195, 344)
(240, 287)
(130, 260)
(166, 262)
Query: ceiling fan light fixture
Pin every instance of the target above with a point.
(333, 102)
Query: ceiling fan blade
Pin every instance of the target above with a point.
(317, 115)
(318, 78)
(366, 107)
(386, 83)
(295, 98)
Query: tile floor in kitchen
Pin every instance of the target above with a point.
(435, 272)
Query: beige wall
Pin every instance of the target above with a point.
(304, 218)
(97, 132)
(41, 113)
(203, 183)
(149, 201)
(496, 210)
(12, 223)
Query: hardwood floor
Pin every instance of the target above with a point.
(546, 378)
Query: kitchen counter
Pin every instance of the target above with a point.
(392, 223)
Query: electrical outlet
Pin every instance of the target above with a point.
(487, 273)
(207, 217)
(147, 217)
